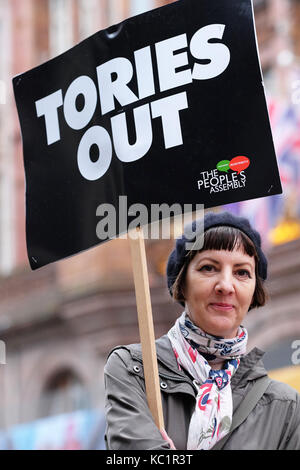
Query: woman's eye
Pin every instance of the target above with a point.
(243, 273)
(207, 268)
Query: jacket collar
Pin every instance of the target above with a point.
(251, 366)
(165, 357)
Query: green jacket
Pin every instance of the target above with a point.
(273, 424)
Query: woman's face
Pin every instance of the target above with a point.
(219, 289)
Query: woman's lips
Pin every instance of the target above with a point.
(222, 306)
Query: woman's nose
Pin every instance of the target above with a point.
(224, 284)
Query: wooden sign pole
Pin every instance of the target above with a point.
(146, 328)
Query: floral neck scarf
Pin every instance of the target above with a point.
(212, 417)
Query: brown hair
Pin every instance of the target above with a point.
(223, 238)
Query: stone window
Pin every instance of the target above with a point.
(64, 392)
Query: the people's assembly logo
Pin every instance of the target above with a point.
(216, 181)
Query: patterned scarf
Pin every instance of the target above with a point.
(212, 417)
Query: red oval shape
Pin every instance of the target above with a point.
(239, 164)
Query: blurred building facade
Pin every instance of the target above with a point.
(60, 322)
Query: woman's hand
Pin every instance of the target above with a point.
(167, 438)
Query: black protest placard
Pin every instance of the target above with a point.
(167, 107)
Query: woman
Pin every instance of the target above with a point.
(205, 371)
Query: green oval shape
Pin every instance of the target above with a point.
(223, 165)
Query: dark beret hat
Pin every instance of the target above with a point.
(178, 256)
